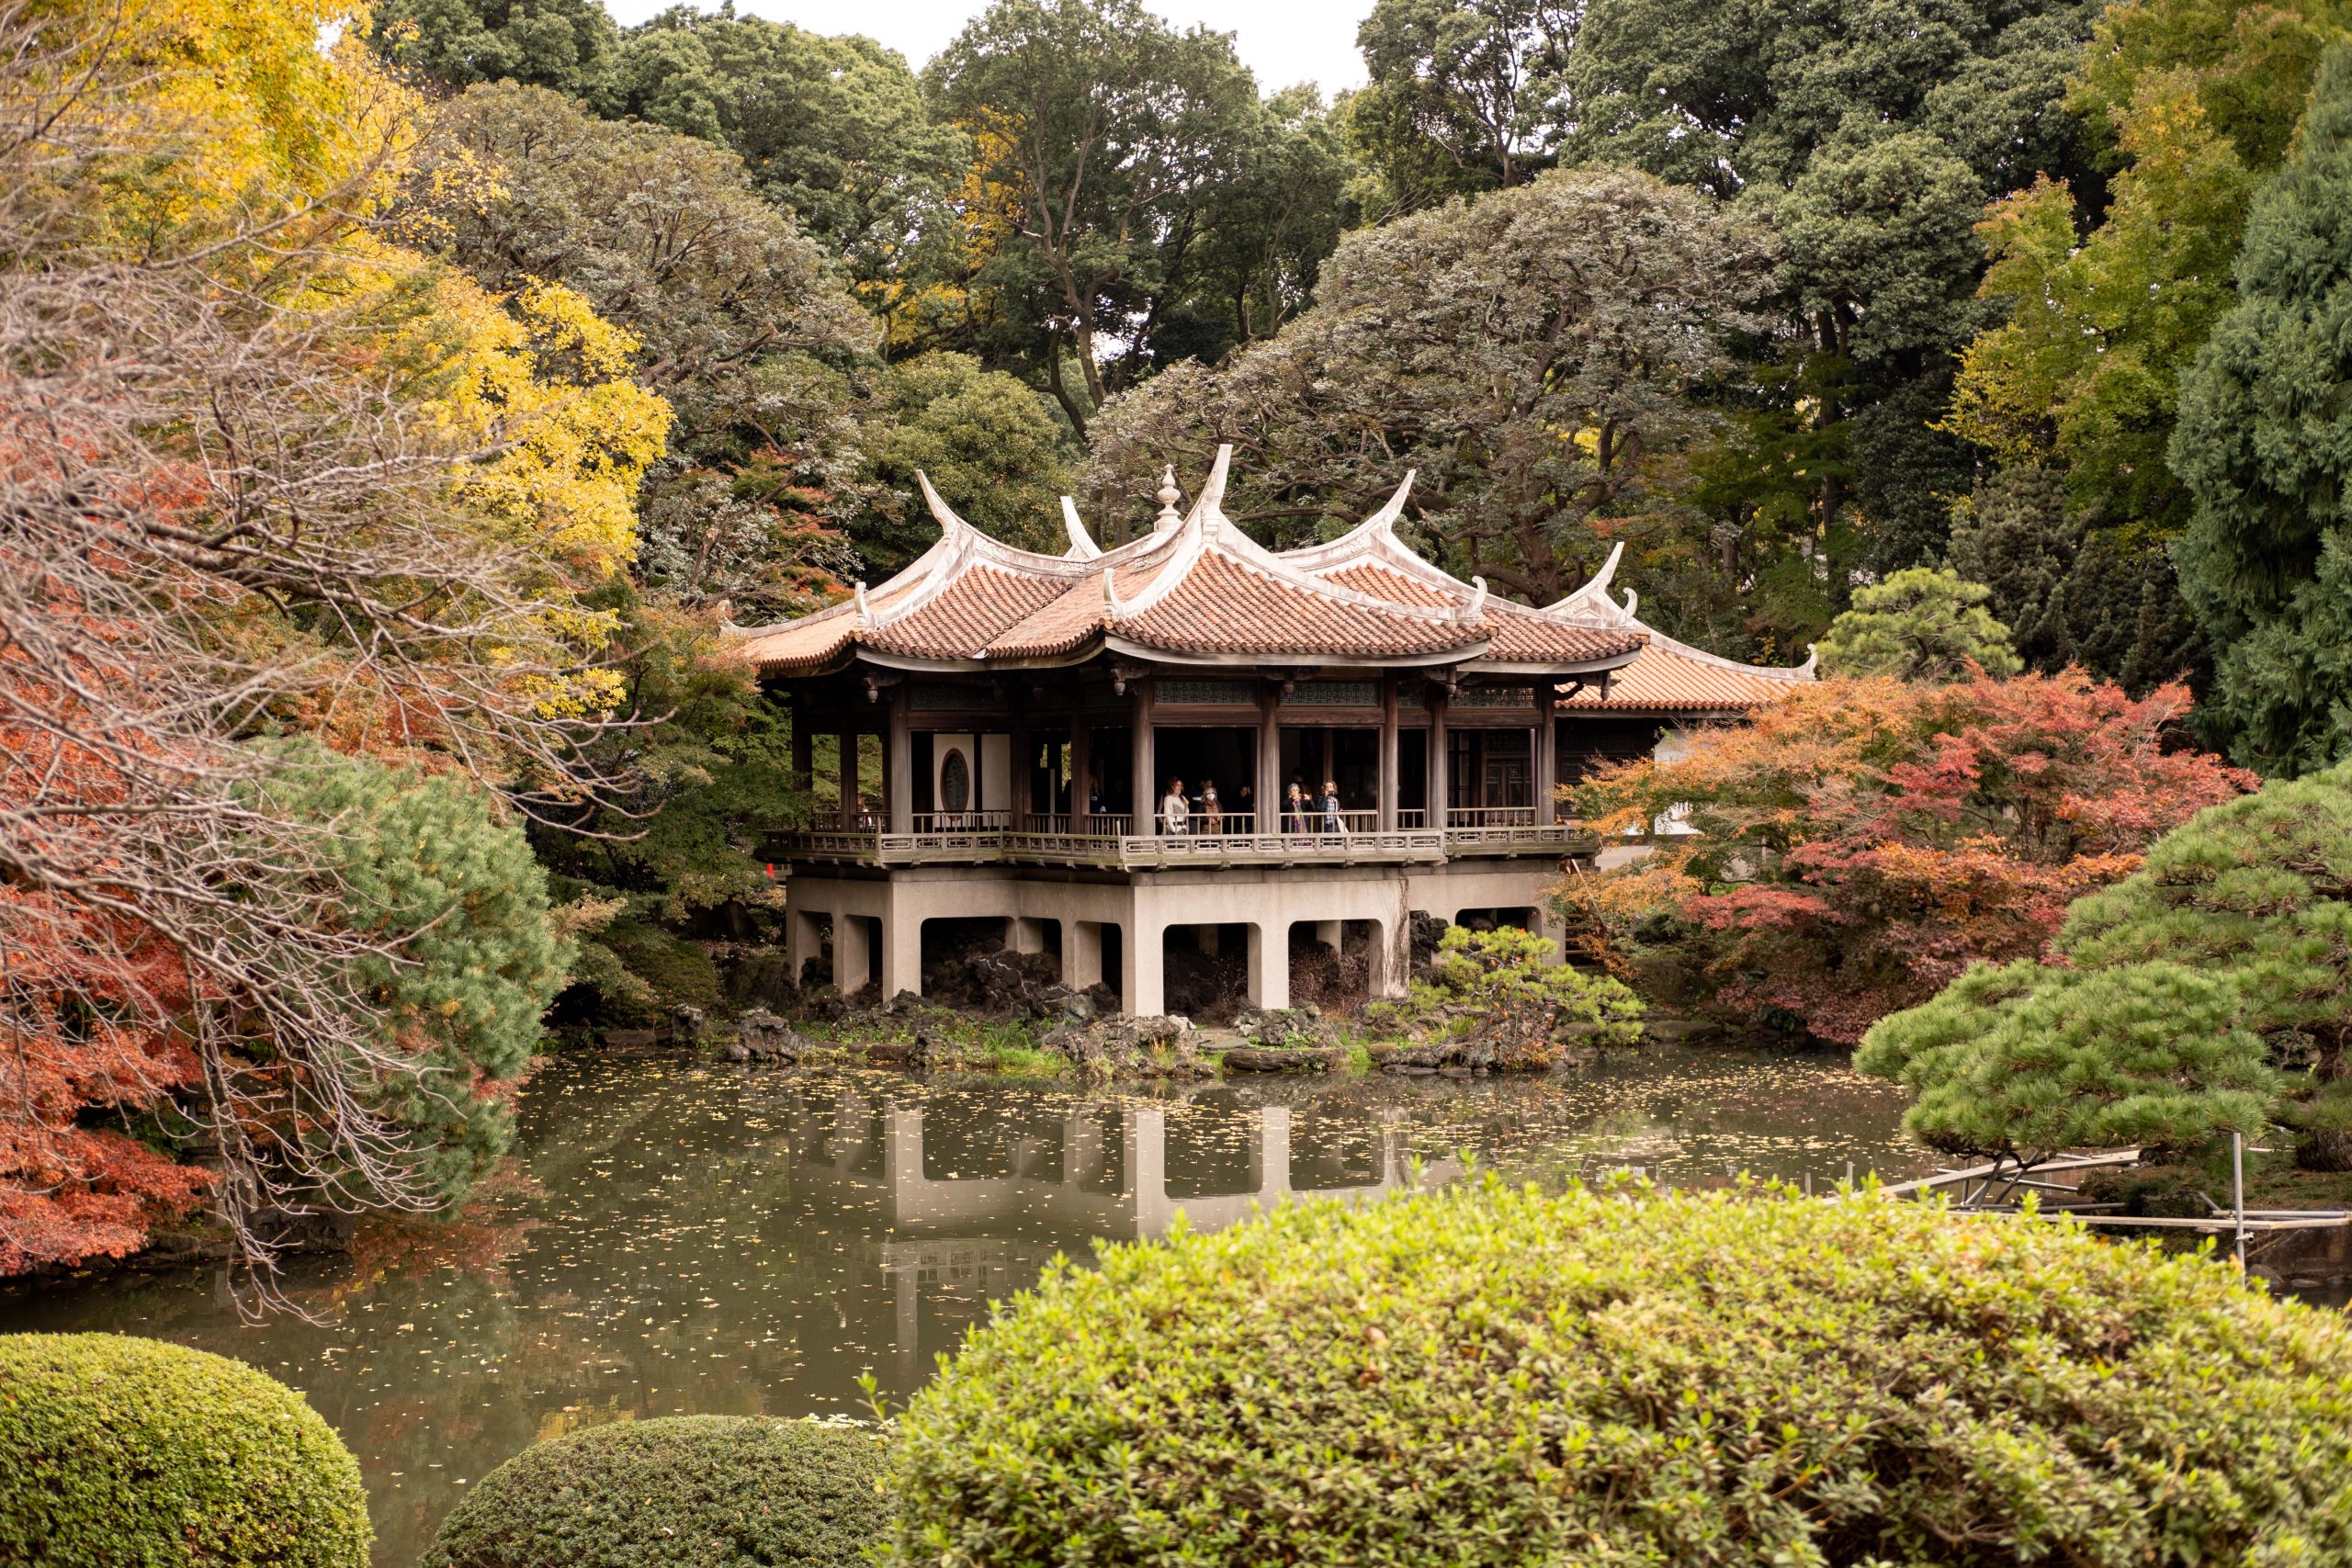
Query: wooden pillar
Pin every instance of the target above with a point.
(1388, 781)
(1438, 770)
(1270, 762)
(1146, 791)
(804, 754)
(848, 770)
(1082, 768)
(899, 764)
(1548, 756)
(1025, 766)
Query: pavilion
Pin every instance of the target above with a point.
(1029, 712)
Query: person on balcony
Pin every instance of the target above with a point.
(1174, 815)
(1212, 809)
(1294, 809)
(1248, 812)
(1332, 821)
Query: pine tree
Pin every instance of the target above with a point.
(2264, 443)
(1920, 625)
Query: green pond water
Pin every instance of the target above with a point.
(675, 1239)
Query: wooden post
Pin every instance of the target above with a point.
(899, 764)
(1270, 763)
(848, 770)
(1025, 764)
(1388, 755)
(1081, 769)
(1548, 756)
(1440, 768)
(1141, 754)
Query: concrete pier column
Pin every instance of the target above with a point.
(1204, 934)
(902, 1160)
(1387, 980)
(901, 953)
(1022, 934)
(1143, 987)
(1082, 1148)
(799, 938)
(1146, 1168)
(852, 952)
(1269, 985)
(1082, 953)
(1327, 933)
(1555, 932)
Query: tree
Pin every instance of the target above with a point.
(988, 442)
(1529, 354)
(1465, 95)
(266, 473)
(2257, 892)
(1920, 625)
(1106, 132)
(2267, 559)
(1861, 842)
(832, 130)
(741, 325)
(1871, 135)
(568, 45)
(2069, 592)
(2023, 1062)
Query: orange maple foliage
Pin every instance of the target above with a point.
(1857, 846)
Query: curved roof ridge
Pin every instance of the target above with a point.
(1791, 673)
(1082, 543)
(1362, 539)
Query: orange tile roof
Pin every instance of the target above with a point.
(1671, 677)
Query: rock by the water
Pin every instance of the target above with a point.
(1284, 1059)
(763, 1037)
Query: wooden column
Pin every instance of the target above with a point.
(1270, 766)
(899, 764)
(1438, 765)
(1081, 769)
(1388, 781)
(1146, 791)
(803, 753)
(1548, 755)
(848, 770)
(1024, 765)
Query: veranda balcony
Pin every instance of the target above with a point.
(1113, 840)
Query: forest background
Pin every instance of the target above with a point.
(645, 331)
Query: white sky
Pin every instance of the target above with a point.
(1282, 41)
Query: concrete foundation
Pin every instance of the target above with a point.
(1140, 907)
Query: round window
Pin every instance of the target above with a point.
(955, 781)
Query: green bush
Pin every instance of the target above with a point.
(133, 1453)
(1490, 1375)
(1475, 976)
(682, 1492)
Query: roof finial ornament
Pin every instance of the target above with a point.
(1168, 497)
(1111, 605)
(1477, 605)
(864, 615)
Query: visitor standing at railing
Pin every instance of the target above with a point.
(1294, 809)
(1212, 810)
(1332, 822)
(1249, 813)
(1173, 812)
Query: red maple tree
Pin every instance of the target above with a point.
(1856, 846)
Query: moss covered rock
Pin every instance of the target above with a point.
(1492, 1376)
(680, 1492)
(134, 1453)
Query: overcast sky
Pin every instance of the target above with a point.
(1282, 41)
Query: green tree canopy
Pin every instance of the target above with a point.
(568, 45)
(2026, 1061)
(1101, 135)
(1529, 353)
(469, 957)
(1463, 98)
(1920, 625)
(2266, 425)
(988, 442)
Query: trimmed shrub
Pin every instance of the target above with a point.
(679, 1492)
(134, 1453)
(1490, 1375)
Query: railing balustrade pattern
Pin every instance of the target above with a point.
(1109, 839)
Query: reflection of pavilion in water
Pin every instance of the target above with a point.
(978, 1196)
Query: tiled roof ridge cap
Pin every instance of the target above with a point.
(1789, 674)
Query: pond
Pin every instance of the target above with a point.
(675, 1239)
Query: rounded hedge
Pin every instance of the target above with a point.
(1490, 1375)
(134, 1453)
(679, 1492)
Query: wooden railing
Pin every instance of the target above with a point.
(1110, 840)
